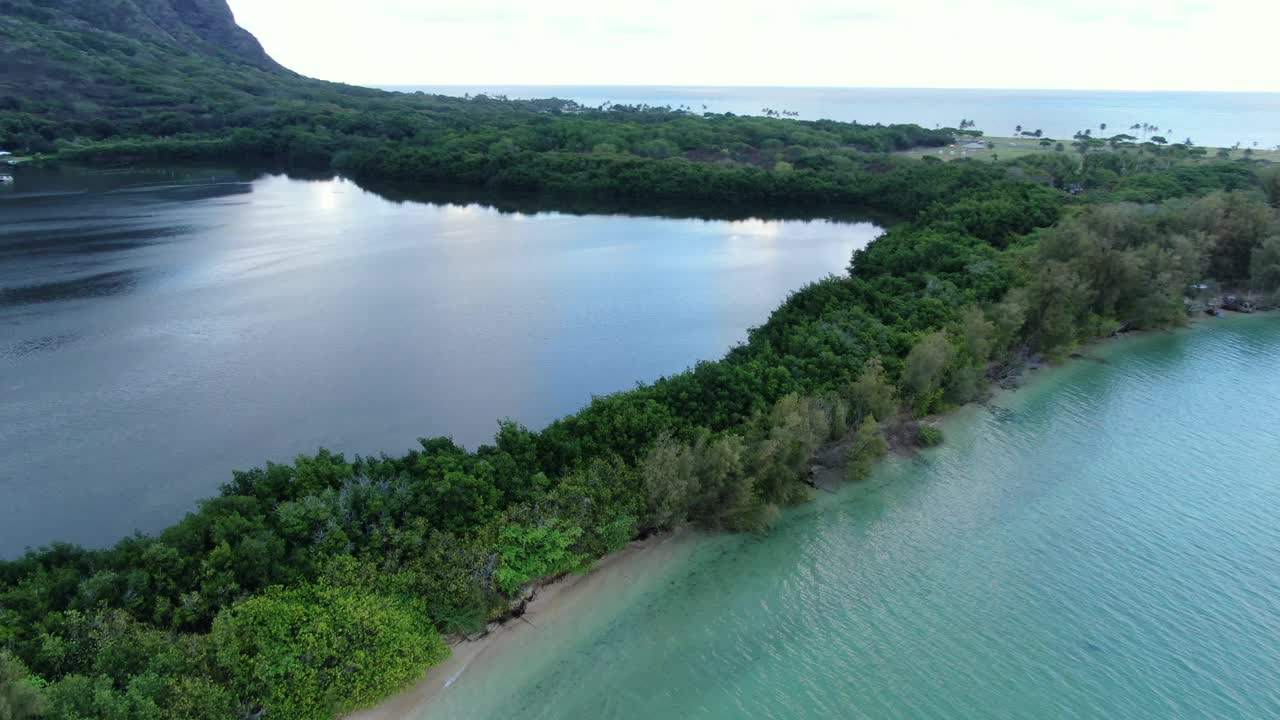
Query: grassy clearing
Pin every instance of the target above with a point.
(1009, 148)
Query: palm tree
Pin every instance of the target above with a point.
(1018, 130)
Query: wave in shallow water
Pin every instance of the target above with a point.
(1103, 546)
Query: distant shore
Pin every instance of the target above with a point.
(1009, 148)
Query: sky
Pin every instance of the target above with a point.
(1069, 44)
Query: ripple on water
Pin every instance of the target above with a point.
(1103, 545)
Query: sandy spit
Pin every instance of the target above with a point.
(556, 599)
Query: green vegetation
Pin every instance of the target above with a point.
(20, 697)
(244, 606)
(315, 650)
(869, 445)
(308, 589)
(929, 436)
(1016, 148)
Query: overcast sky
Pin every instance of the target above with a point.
(1086, 44)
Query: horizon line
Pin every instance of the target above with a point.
(811, 87)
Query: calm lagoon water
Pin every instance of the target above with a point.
(1208, 118)
(158, 330)
(1101, 544)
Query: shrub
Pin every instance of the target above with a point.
(315, 651)
(928, 435)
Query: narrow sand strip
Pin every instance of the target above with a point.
(556, 600)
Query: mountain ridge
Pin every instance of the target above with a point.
(205, 26)
(93, 70)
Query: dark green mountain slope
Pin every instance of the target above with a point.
(204, 27)
(87, 70)
(179, 80)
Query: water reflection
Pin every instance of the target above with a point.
(107, 283)
(158, 331)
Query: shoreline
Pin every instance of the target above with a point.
(559, 597)
(551, 601)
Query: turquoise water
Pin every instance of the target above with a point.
(1101, 544)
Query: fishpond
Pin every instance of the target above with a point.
(160, 329)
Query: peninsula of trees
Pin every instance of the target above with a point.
(307, 589)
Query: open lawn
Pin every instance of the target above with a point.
(1008, 148)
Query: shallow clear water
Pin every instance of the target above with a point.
(1208, 118)
(1101, 544)
(159, 330)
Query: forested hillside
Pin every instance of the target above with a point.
(166, 79)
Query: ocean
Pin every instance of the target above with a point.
(1207, 118)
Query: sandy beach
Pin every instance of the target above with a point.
(557, 601)
(562, 601)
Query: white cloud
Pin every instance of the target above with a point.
(1095, 44)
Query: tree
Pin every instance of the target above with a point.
(797, 427)
(869, 445)
(871, 394)
(1159, 140)
(1271, 186)
(978, 334)
(20, 696)
(1265, 266)
(1055, 299)
(667, 476)
(316, 651)
(923, 368)
(726, 489)
(1235, 224)
(531, 552)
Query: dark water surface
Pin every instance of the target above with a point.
(158, 330)
(1103, 544)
